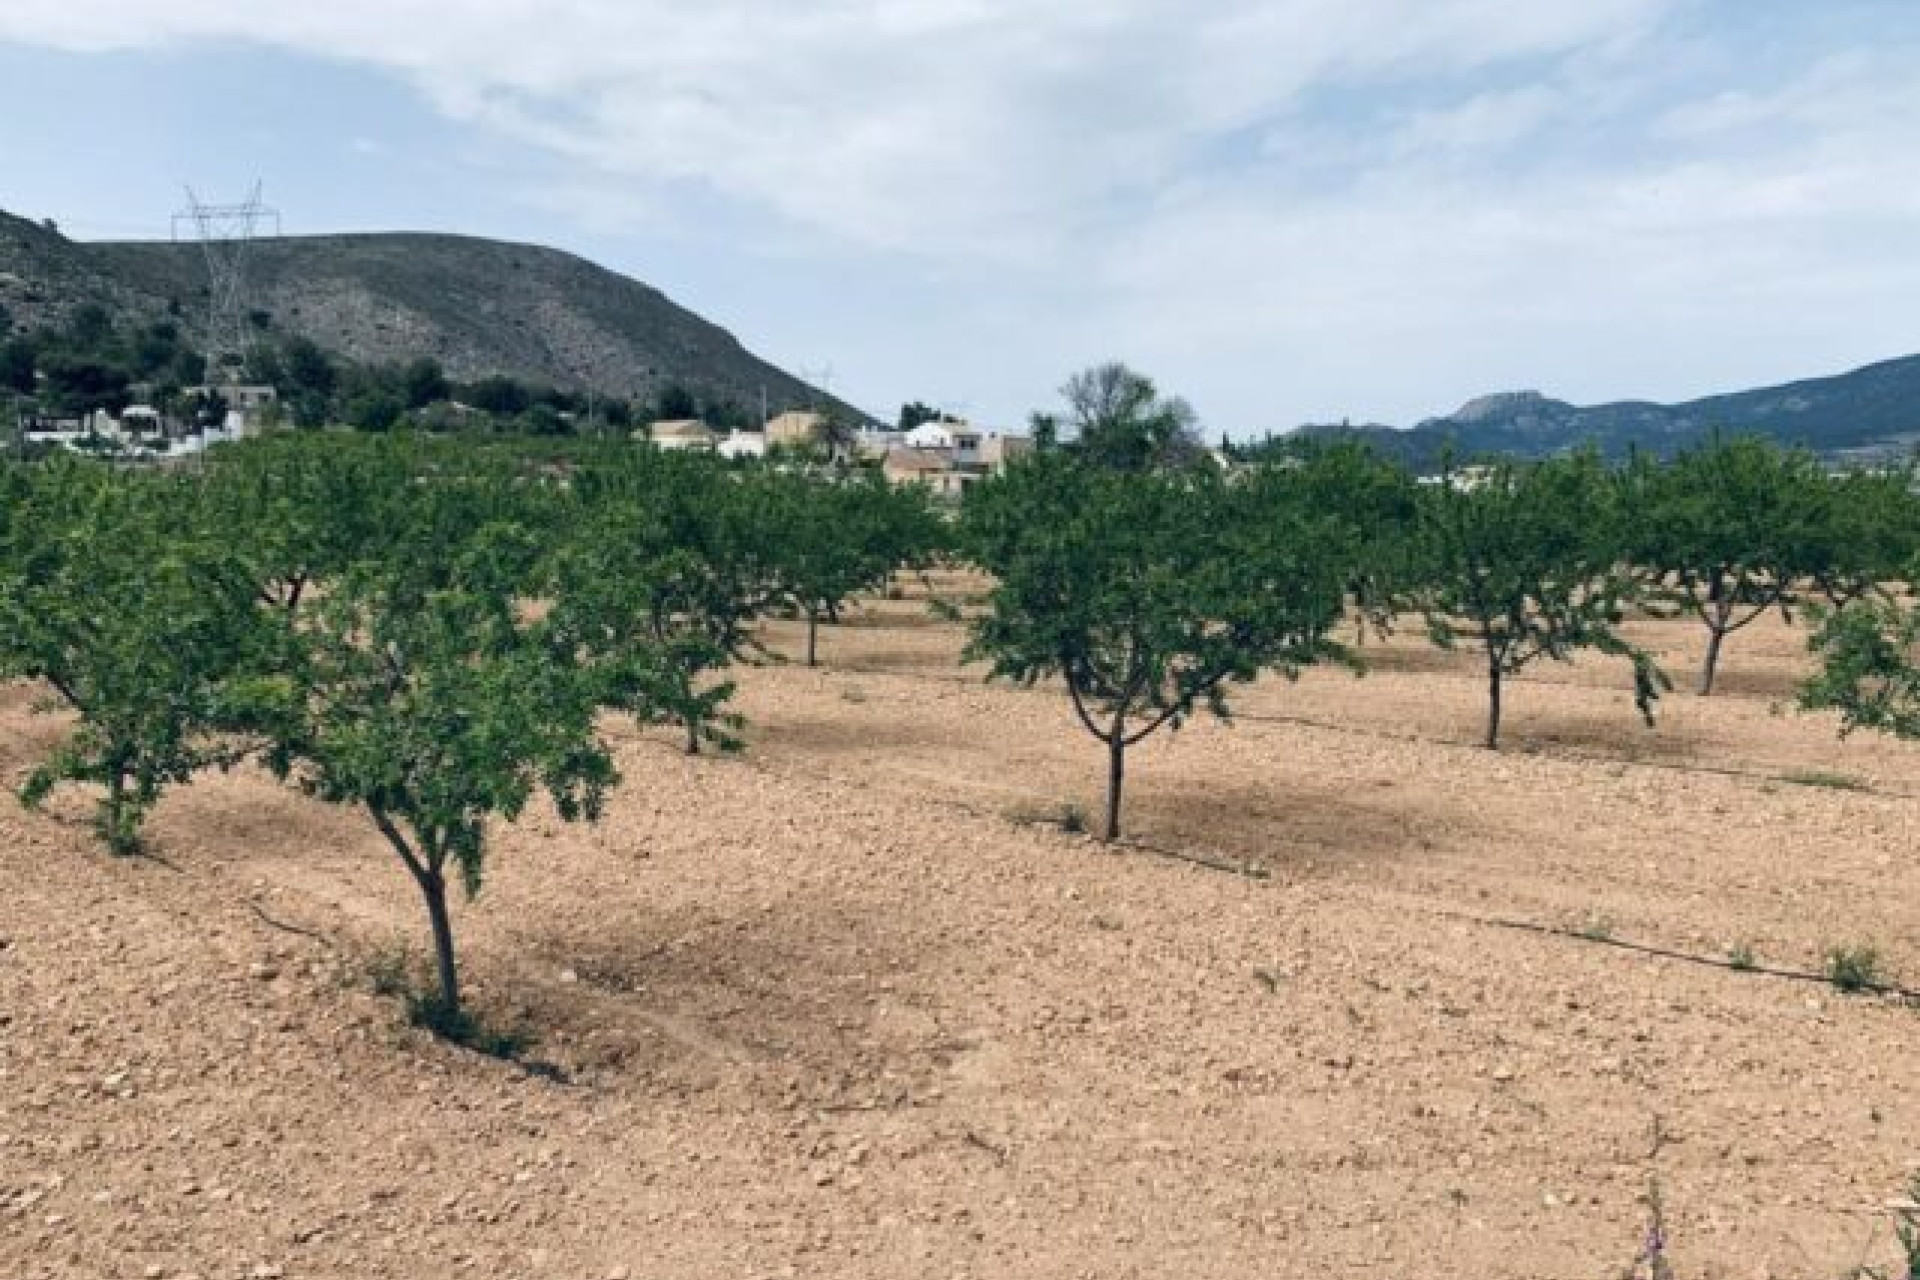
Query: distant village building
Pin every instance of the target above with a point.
(743, 444)
(682, 433)
(949, 456)
(796, 428)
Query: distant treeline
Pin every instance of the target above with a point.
(95, 362)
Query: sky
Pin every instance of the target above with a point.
(1283, 210)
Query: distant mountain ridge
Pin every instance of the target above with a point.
(479, 307)
(1868, 413)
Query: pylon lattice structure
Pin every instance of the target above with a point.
(226, 233)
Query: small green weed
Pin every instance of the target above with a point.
(1740, 956)
(395, 973)
(1067, 816)
(1853, 969)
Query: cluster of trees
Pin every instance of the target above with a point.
(92, 361)
(429, 631)
(1149, 581)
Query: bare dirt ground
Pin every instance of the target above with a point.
(834, 1009)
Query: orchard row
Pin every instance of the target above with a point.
(431, 631)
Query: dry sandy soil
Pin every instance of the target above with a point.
(834, 1009)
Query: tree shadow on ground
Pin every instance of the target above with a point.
(814, 1000)
(1284, 826)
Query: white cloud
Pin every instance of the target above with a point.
(1393, 201)
(921, 124)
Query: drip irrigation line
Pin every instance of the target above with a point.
(1387, 735)
(1666, 953)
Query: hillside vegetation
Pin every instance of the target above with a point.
(477, 307)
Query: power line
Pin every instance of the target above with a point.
(226, 233)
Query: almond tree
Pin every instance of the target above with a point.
(437, 711)
(1148, 593)
(829, 540)
(1521, 560)
(1868, 532)
(1869, 666)
(1728, 532)
(143, 629)
(659, 577)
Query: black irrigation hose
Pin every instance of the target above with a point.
(1665, 953)
(1254, 717)
(1252, 871)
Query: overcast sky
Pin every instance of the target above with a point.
(1286, 210)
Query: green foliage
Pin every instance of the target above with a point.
(914, 414)
(661, 573)
(1866, 669)
(1865, 534)
(17, 366)
(1853, 969)
(1522, 561)
(1121, 422)
(1374, 506)
(142, 626)
(1727, 532)
(1149, 593)
(437, 710)
(832, 537)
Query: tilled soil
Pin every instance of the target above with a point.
(850, 1005)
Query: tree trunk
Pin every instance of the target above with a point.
(813, 635)
(693, 736)
(1116, 781)
(1493, 703)
(433, 887)
(120, 840)
(1715, 638)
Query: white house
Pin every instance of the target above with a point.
(930, 435)
(743, 444)
(681, 433)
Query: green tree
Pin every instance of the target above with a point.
(1866, 666)
(1727, 532)
(1374, 504)
(914, 414)
(1121, 421)
(17, 365)
(143, 629)
(1522, 560)
(1866, 533)
(1148, 593)
(376, 410)
(660, 576)
(423, 382)
(675, 403)
(437, 712)
(830, 539)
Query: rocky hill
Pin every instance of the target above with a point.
(478, 306)
(1870, 412)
